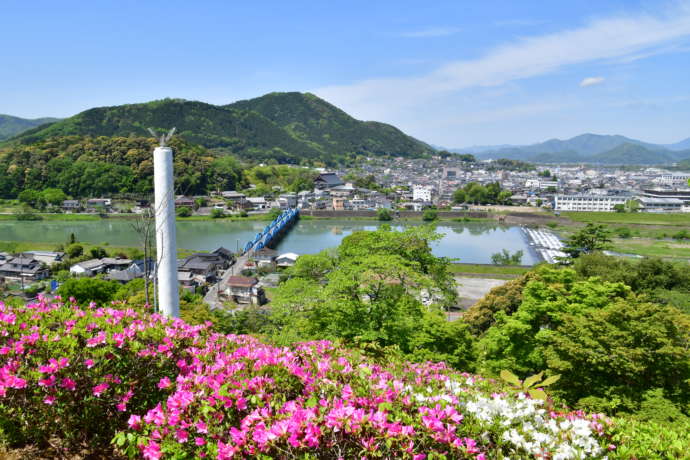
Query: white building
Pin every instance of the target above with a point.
(673, 180)
(588, 202)
(421, 193)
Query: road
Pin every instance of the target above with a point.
(211, 297)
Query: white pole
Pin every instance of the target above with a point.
(166, 243)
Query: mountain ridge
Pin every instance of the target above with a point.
(286, 127)
(11, 126)
(591, 148)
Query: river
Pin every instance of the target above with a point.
(471, 242)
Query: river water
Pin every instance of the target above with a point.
(471, 242)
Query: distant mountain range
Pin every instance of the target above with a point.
(588, 148)
(11, 126)
(287, 127)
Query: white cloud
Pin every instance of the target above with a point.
(604, 39)
(433, 32)
(591, 81)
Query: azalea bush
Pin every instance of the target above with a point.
(75, 373)
(146, 386)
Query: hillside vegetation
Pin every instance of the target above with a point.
(11, 126)
(286, 127)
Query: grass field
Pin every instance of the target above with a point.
(666, 249)
(481, 269)
(637, 218)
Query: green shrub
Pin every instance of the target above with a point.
(429, 215)
(384, 214)
(184, 211)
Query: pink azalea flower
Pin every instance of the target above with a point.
(49, 400)
(164, 383)
(100, 388)
(151, 451)
(68, 384)
(134, 422)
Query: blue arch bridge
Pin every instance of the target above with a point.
(271, 235)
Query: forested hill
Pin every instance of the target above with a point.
(287, 127)
(313, 120)
(11, 126)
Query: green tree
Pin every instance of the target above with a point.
(30, 197)
(184, 211)
(74, 250)
(594, 237)
(97, 252)
(53, 196)
(86, 290)
(611, 358)
(506, 258)
(217, 213)
(619, 208)
(384, 214)
(429, 215)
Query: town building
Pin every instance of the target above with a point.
(602, 203)
(648, 204)
(421, 193)
(327, 180)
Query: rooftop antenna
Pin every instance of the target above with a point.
(166, 240)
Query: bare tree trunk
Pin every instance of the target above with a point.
(143, 226)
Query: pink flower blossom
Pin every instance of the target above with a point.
(100, 388)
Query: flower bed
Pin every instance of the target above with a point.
(164, 389)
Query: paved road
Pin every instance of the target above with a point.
(211, 297)
(470, 290)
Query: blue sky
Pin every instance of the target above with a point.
(452, 73)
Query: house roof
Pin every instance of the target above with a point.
(242, 281)
(266, 252)
(223, 252)
(121, 275)
(289, 255)
(89, 264)
(114, 261)
(330, 179)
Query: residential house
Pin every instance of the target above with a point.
(258, 202)
(265, 257)
(46, 257)
(287, 260)
(205, 267)
(136, 269)
(98, 205)
(287, 200)
(244, 290)
(23, 268)
(88, 268)
(71, 205)
(183, 201)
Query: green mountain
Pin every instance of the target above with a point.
(591, 148)
(11, 126)
(327, 128)
(287, 127)
(635, 154)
